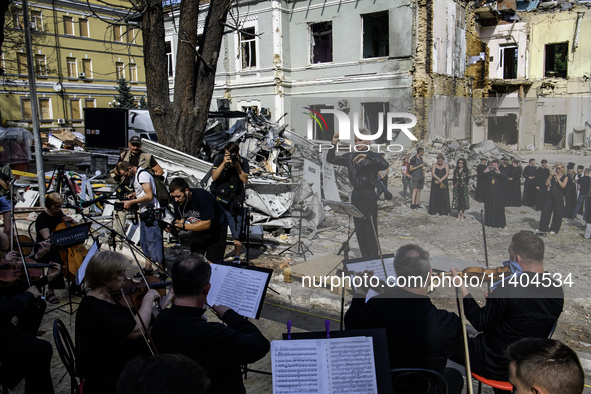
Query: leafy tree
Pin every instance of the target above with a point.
(143, 103)
(124, 99)
(180, 122)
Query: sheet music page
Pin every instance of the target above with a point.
(375, 266)
(298, 366)
(237, 288)
(82, 269)
(351, 365)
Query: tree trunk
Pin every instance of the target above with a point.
(181, 124)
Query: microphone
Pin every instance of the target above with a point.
(88, 203)
(70, 206)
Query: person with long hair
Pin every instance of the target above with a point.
(554, 203)
(461, 196)
(439, 197)
(406, 177)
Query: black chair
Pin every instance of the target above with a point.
(417, 381)
(67, 351)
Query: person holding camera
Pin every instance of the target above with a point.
(553, 207)
(144, 196)
(198, 211)
(230, 173)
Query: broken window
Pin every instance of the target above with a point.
(170, 64)
(374, 115)
(509, 62)
(248, 48)
(556, 60)
(554, 129)
(322, 131)
(321, 41)
(376, 40)
(503, 129)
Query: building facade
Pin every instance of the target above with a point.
(80, 52)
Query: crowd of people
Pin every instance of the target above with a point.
(562, 193)
(166, 344)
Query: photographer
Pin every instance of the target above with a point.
(144, 196)
(230, 173)
(198, 211)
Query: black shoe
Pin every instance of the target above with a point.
(413, 206)
(418, 206)
(388, 196)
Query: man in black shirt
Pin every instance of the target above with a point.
(230, 173)
(542, 175)
(513, 311)
(570, 192)
(583, 184)
(481, 183)
(198, 211)
(419, 334)
(219, 349)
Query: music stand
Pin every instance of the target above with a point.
(301, 247)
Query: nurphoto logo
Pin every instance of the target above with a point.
(393, 122)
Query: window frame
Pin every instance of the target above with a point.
(35, 19)
(87, 74)
(546, 58)
(72, 67)
(119, 66)
(86, 23)
(313, 43)
(363, 34)
(23, 100)
(133, 76)
(50, 110)
(69, 20)
(253, 47)
(503, 57)
(72, 101)
(40, 61)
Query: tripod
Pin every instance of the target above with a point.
(59, 180)
(301, 247)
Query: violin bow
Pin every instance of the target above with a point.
(143, 329)
(484, 237)
(460, 302)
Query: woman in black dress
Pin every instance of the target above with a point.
(554, 204)
(439, 198)
(461, 196)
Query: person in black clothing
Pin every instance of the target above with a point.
(229, 175)
(23, 355)
(529, 186)
(198, 211)
(583, 184)
(45, 224)
(419, 335)
(554, 204)
(512, 311)
(439, 196)
(107, 334)
(542, 174)
(544, 366)
(494, 202)
(219, 349)
(363, 168)
(570, 191)
(480, 182)
(514, 181)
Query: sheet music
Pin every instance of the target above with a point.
(375, 266)
(339, 365)
(297, 367)
(82, 269)
(237, 288)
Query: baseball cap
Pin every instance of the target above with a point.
(135, 140)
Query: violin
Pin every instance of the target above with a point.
(11, 271)
(134, 292)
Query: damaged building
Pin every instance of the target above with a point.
(515, 72)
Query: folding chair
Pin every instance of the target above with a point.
(67, 351)
(414, 379)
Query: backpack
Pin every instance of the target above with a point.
(162, 193)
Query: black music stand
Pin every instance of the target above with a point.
(65, 238)
(301, 247)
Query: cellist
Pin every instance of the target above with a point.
(45, 224)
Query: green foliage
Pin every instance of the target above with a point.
(124, 99)
(143, 103)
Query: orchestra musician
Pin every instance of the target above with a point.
(419, 334)
(45, 224)
(219, 349)
(108, 334)
(514, 309)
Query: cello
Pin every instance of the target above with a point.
(72, 256)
